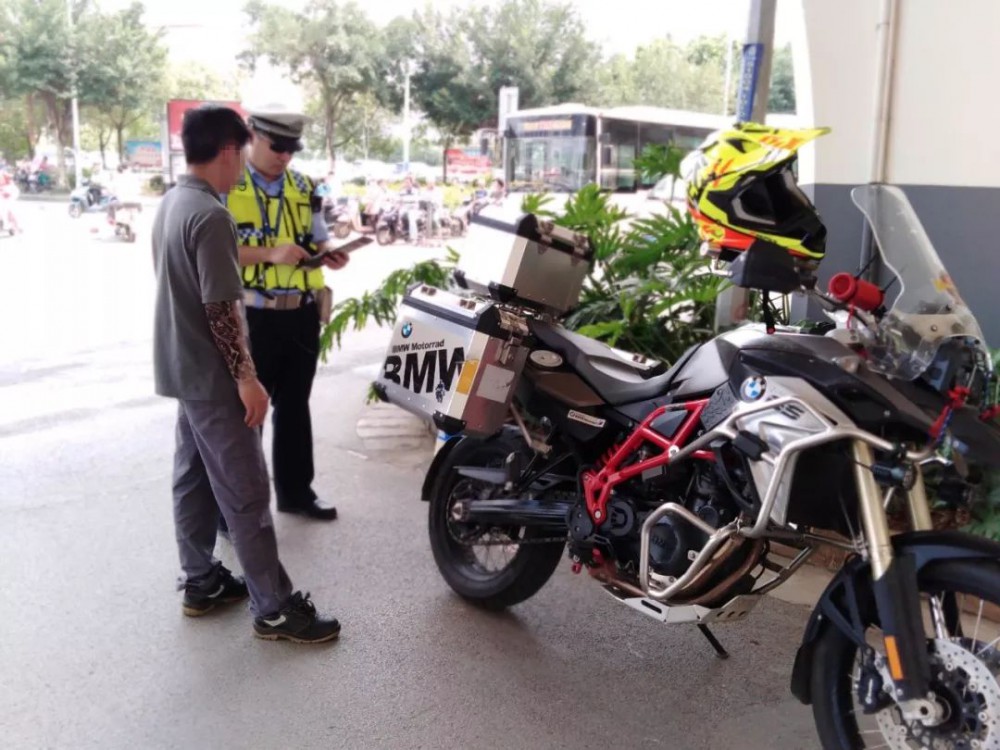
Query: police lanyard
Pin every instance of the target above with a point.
(264, 204)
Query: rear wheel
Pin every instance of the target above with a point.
(965, 664)
(491, 566)
(341, 230)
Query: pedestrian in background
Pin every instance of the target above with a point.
(201, 358)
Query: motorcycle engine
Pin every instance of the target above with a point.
(674, 543)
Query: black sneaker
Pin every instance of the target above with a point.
(297, 621)
(222, 587)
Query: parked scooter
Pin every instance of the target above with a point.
(90, 198)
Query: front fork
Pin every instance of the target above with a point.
(897, 595)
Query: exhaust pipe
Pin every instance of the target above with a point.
(512, 511)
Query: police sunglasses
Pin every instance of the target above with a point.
(285, 146)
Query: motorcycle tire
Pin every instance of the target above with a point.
(75, 211)
(341, 230)
(834, 657)
(524, 574)
(385, 236)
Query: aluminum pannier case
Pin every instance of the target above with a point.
(454, 360)
(546, 267)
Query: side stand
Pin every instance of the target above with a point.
(710, 637)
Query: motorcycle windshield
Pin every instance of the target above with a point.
(925, 308)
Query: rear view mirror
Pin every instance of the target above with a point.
(767, 267)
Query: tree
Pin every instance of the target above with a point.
(120, 68)
(361, 130)
(18, 131)
(38, 61)
(782, 95)
(448, 85)
(194, 80)
(332, 48)
(464, 58)
(540, 46)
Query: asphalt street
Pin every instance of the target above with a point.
(94, 651)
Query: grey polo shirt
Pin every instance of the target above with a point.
(196, 262)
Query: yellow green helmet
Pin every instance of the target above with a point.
(742, 188)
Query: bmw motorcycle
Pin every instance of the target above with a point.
(669, 487)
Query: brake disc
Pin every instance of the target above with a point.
(969, 690)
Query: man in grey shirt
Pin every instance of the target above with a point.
(202, 359)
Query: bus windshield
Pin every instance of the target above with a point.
(554, 163)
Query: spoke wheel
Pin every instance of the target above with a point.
(494, 566)
(965, 665)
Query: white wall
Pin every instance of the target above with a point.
(945, 107)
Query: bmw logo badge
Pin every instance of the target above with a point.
(753, 388)
(407, 330)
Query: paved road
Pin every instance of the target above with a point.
(94, 652)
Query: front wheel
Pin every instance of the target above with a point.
(965, 664)
(341, 230)
(75, 210)
(384, 235)
(491, 566)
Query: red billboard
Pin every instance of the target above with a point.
(460, 161)
(175, 117)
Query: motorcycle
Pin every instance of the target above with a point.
(90, 198)
(338, 216)
(669, 486)
(393, 223)
(34, 181)
(122, 217)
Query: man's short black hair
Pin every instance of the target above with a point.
(209, 129)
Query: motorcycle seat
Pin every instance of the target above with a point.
(615, 378)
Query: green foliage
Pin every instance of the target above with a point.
(109, 59)
(193, 80)
(380, 305)
(462, 58)
(986, 507)
(782, 93)
(17, 136)
(666, 73)
(651, 291)
(331, 48)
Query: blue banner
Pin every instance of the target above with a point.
(752, 54)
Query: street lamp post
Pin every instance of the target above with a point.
(75, 107)
(406, 115)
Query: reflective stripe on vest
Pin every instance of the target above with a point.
(296, 218)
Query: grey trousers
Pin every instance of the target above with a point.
(219, 466)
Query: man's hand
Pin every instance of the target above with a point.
(336, 260)
(287, 254)
(255, 399)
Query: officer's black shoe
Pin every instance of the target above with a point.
(314, 508)
(222, 587)
(298, 622)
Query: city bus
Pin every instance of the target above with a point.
(564, 147)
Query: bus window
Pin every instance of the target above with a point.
(619, 144)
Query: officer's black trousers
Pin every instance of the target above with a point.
(285, 348)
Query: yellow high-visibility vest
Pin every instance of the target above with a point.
(263, 221)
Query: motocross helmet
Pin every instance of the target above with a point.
(742, 188)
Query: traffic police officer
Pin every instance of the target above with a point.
(279, 223)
